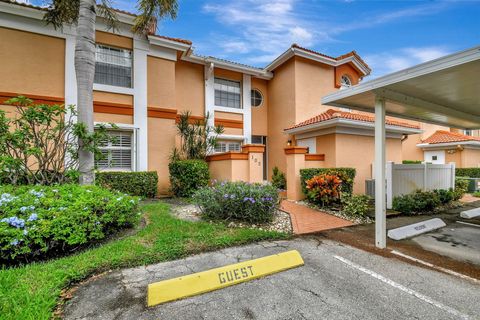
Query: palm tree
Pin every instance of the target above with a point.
(83, 13)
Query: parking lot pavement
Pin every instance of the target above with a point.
(458, 240)
(336, 282)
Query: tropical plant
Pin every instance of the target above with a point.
(355, 205)
(197, 137)
(278, 179)
(83, 14)
(249, 202)
(38, 145)
(324, 189)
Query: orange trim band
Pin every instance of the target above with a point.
(296, 150)
(257, 148)
(4, 96)
(162, 113)
(112, 108)
(229, 123)
(227, 156)
(193, 119)
(314, 157)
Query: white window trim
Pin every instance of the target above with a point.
(113, 89)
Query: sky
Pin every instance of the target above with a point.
(388, 35)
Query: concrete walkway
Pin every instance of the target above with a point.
(337, 282)
(306, 220)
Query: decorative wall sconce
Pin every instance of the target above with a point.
(289, 143)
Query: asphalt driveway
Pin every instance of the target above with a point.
(337, 282)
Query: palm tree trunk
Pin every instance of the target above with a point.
(85, 70)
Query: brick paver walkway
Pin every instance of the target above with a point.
(306, 220)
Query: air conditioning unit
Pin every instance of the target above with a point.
(370, 188)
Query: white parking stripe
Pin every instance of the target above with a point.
(403, 288)
(453, 273)
(469, 224)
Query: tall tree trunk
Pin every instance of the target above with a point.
(85, 70)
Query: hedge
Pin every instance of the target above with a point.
(143, 184)
(468, 172)
(346, 174)
(46, 221)
(411, 161)
(187, 176)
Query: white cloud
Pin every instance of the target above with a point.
(395, 60)
(235, 46)
(259, 29)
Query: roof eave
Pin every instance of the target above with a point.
(350, 123)
(448, 144)
(293, 51)
(160, 41)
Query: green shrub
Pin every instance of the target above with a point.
(253, 203)
(355, 205)
(44, 221)
(142, 184)
(187, 176)
(347, 175)
(445, 196)
(461, 187)
(411, 161)
(278, 179)
(417, 202)
(467, 172)
(324, 189)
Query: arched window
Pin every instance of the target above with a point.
(345, 81)
(257, 98)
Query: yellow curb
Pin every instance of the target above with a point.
(214, 279)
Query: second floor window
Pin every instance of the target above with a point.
(113, 66)
(227, 93)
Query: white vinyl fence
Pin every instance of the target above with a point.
(406, 178)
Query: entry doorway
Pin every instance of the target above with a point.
(262, 140)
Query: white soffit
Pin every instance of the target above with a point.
(445, 91)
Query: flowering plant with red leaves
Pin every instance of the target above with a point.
(324, 189)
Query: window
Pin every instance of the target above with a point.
(434, 158)
(227, 93)
(227, 146)
(113, 66)
(256, 97)
(345, 81)
(117, 154)
(468, 132)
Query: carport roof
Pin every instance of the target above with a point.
(445, 91)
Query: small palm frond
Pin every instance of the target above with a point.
(106, 11)
(151, 10)
(61, 12)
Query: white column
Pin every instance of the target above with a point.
(140, 116)
(380, 195)
(247, 108)
(70, 81)
(389, 178)
(210, 93)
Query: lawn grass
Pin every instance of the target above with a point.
(32, 291)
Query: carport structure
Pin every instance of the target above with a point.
(445, 91)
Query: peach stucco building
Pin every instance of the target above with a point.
(142, 83)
